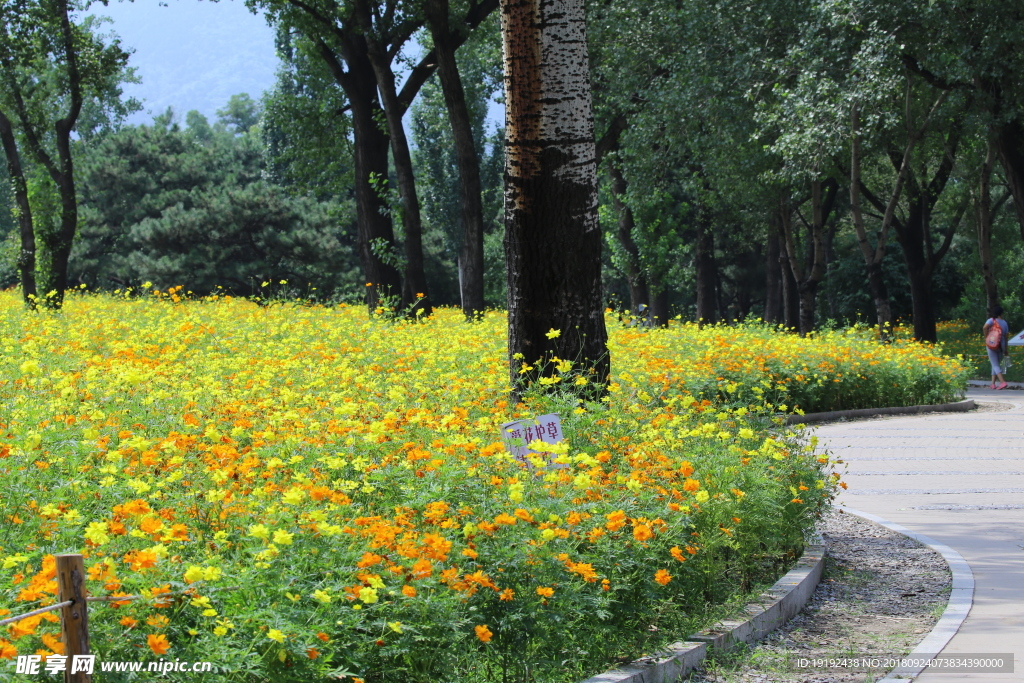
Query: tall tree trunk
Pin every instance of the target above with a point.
(415, 295)
(635, 278)
(915, 234)
(1010, 148)
(376, 236)
(471, 256)
(807, 279)
(880, 296)
(56, 243)
(706, 270)
(830, 258)
(922, 258)
(659, 308)
(790, 296)
(922, 295)
(772, 279)
(873, 255)
(27, 253)
(552, 233)
(984, 229)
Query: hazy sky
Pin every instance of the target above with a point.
(192, 54)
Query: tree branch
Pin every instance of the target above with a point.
(426, 67)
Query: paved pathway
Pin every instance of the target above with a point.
(958, 478)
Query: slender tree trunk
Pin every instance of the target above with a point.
(415, 295)
(56, 243)
(873, 255)
(1009, 144)
(376, 236)
(807, 279)
(830, 258)
(790, 297)
(773, 279)
(471, 256)
(552, 233)
(790, 290)
(880, 296)
(706, 271)
(984, 229)
(27, 253)
(635, 278)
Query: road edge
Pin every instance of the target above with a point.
(961, 596)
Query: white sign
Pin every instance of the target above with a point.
(1017, 339)
(519, 434)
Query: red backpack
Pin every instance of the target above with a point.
(994, 339)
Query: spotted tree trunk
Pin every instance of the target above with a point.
(552, 235)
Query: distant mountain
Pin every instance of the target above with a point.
(192, 54)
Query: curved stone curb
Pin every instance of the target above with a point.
(778, 605)
(958, 407)
(960, 598)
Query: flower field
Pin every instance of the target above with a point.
(304, 494)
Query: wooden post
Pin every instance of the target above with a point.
(75, 617)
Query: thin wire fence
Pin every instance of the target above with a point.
(73, 606)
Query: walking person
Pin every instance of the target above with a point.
(997, 334)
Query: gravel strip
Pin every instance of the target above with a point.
(880, 595)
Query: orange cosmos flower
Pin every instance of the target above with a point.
(408, 591)
(158, 643)
(545, 592)
(642, 532)
(678, 554)
(483, 633)
(584, 569)
(616, 520)
(524, 515)
(691, 485)
(368, 560)
(158, 621)
(662, 576)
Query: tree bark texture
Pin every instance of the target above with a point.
(635, 278)
(27, 253)
(471, 256)
(415, 296)
(376, 234)
(772, 280)
(1010, 148)
(552, 233)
